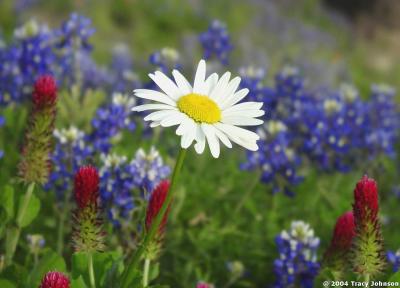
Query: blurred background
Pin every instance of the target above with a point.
(220, 233)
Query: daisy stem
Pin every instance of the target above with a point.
(129, 272)
(91, 270)
(146, 271)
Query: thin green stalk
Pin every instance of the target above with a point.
(129, 272)
(248, 193)
(91, 270)
(366, 278)
(27, 199)
(146, 271)
(13, 233)
(61, 225)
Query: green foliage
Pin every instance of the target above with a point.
(32, 209)
(6, 206)
(50, 261)
(107, 267)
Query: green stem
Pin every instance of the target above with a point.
(366, 278)
(91, 270)
(13, 233)
(60, 232)
(25, 203)
(129, 272)
(146, 271)
(248, 193)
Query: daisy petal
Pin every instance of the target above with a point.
(184, 126)
(241, 121)
(173, 119)
(245, 106)
(166, 84)
(159, 115)
(211, 81)
(154, 124)
(239, 132)
(146, 107)
(224, 139)
(212, 139)
(200, 139)
(230, 89)
(155, 96)
(235, 98)
(220, 87)
(246, 113)
(188, 138)
(199, 85)
(182, 83)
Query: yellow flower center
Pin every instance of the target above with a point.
(200, 108)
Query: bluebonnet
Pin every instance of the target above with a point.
(384, 121)
(166, 59)
(124, 78)
(216, 42)
(297, 264)
(71, 151)
(148, 169)
(120, 178)
(394, 259)
(110, 120)
(252, 78)
(326, 134)
(72, 45)
(276, 158)
(75, 31)
(116, 188)
(29, 56)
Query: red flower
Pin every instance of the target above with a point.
(344, 232)
(365, 207)
(54, 280)
(368, 253)
(204, 285)
(156, 201)
(45, 91)
(86, 186)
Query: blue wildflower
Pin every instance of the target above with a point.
(123, 77)
(394, 259)
(110, 120)
(69, 154)
(148, 169)
(297, 264)
(120, 178)
(216, 42)
(116, 188)
(384, 121)
(166, 59)
(276, 158)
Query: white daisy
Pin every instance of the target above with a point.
(208, 111)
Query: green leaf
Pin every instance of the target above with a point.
(78, 283)
(31, 211)
(395, 277)
(154, 271)
(7, 201)
(50, 261)
(103, 264)
(15, 273)
(6, 284)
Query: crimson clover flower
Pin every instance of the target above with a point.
(35, 161)
(55, 279)
(88, 235)
(368, 255)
